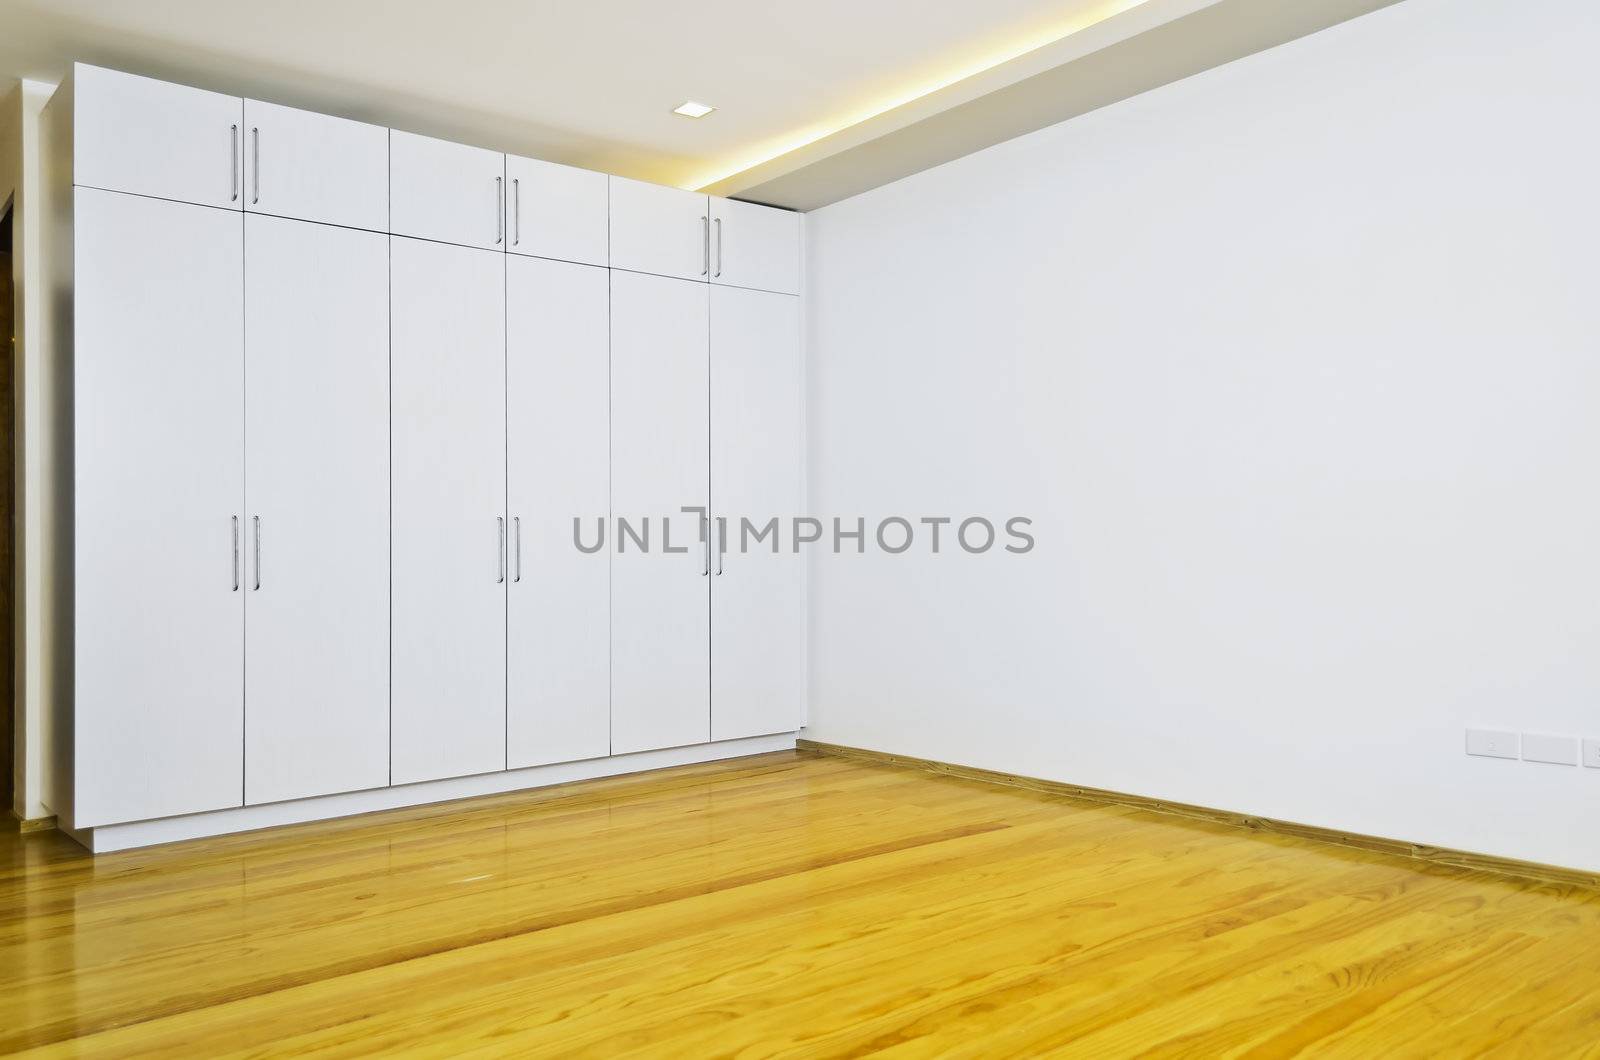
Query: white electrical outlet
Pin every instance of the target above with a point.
(1557, 750)
(1591, 753)
(1491, 743)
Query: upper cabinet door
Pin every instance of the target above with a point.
(556, 211)
(315, 168)
(755, 246)
(660, 230)
(446, 192)
(148, 137)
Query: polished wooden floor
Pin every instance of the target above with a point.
(784, 905)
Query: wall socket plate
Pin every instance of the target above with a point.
(1492, 743)
(1556, 750)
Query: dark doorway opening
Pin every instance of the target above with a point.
(8, 347)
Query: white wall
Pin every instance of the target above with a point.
(1296, 366)
(20, 105)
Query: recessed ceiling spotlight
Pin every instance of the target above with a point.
(691, 109)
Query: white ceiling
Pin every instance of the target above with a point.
(590, 82)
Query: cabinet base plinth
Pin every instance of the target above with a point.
(108, 838)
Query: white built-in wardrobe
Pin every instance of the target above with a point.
(337, 395)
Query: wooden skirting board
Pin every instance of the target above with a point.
(29, 825)
(1462, 859)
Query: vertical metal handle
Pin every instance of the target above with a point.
(719, 259)
(705, 533)
(500, 552)
(722, 541)
(705, 246)
(258, 554)
(233, 164)
(516, 533)
(234, 522)
(499, 210)
(255, 171)
(516, 217)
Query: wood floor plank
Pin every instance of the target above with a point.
(785, 905)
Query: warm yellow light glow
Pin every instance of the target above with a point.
(829, 126)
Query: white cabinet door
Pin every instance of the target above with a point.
(755, 246)
(316, 509)
(558, 695)
(659, 230)
(757, 602)
(158, 484)
(447, 192)
(140, 135)
(314, 167)
(660, 600)
(557, 211)
(447, 357)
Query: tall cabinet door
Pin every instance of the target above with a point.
(757, 602)
(159, 489)
(660, 599)
(447, 357)
(558, 694)
(317, 509)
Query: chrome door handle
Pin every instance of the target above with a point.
(719, 259)
(500, 552)
(255, 169)
(705, 246)
(516, 217)
(258, 554)
(722, 541)
(499, 210)
(516, 533)
(234, 522)
(233, 164)
(705, 530)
